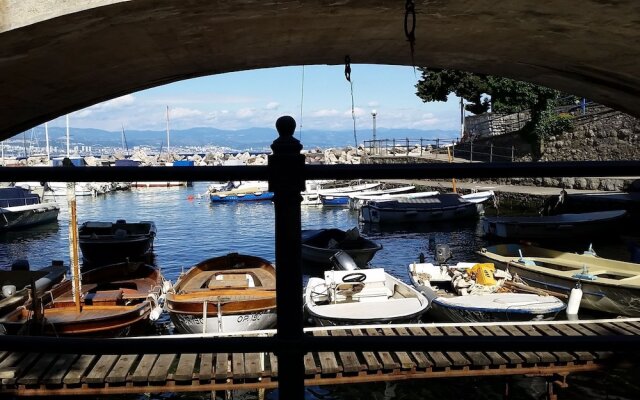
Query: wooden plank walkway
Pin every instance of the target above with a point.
(30, 374)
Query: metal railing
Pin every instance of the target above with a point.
(286, 174)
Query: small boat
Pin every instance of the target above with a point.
(232, 293)
(242, 191)
(20, 208)
(357, 200)
(107, 242)
(342, 199)
(441, 207)
(16, 283)
(113, 299)
(351, 296)
(472, 292)
(314, 196)
(318, 246)
(608, 286)
(562, 226)
(159, 184)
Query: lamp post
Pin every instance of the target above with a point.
(373, 114)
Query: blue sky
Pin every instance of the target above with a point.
(257, 98)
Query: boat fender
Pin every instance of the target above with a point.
(155, 313)
(574, 300)
(167, 286)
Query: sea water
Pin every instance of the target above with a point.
(192, 229)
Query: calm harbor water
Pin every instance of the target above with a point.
(190, 231)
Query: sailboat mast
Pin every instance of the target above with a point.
(46, 136)
(168, 143)
(122, 137)
(68, 153)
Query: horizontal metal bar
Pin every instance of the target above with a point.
(363, 171)
(170, 345)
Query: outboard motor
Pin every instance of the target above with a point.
(443, 253)
(342, 261)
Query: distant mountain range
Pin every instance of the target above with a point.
(244, 139)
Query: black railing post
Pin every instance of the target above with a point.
(471, 152)
(491, 152)
(286, 181)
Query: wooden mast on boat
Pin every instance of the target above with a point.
(73, 244)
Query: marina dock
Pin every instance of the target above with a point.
(46, 373)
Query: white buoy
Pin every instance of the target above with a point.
(574, 300)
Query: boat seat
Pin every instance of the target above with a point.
(229, 281)
(103, 296)
(375, 287)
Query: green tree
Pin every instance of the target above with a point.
(486, 92)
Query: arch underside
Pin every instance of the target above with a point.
(57, 60)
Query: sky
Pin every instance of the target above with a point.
(318, 97)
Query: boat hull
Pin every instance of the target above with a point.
(225, 198)
(196, 323)
(381, 214)
(588, 225)
(315, 247)
(27, 216)
(104, 243)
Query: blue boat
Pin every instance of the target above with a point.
(242, 191)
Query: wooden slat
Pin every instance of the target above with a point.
(8, 365)
(385, 357)
(78, 368)
(567, 330)
(310, 367)
(186, 365)
(514, 358)
(328, 362)
(3, 354)
(629, 327)
(38, 369)
(237, 366)
(141, 373)
(100, 371)
(480, 358)
(160, 369)
(456, 357)
(349, 359)
(421, 359)
(598, 328)
(59, 369)
(530, 357)
(405, 361)
(119, 372)
(438, 358)
(617, 328)
(539, 330)
(273, 363)
(253, 365)
(206, 367)
(21, 366)
(221, 367)
(369, 357)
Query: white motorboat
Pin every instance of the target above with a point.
(361, 296)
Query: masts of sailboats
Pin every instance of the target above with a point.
(125, 146)
(68, 153)
(168, 143)
(46, 137)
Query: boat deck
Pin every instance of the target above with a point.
(45, 373)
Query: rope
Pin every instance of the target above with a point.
(347, 75)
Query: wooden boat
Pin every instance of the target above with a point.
(441, 207)
(472, 292)
(231, 293)
(607, 285)
(562, 226)
(113, 298)
(242, 191)
(106, 242)
(361, 296)
(20, 208)
(318, 246)
(16, 283)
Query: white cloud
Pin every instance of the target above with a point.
(109, 105)
(184, 113)
(272, 105)
(359, 112)
(245, 113)
(373, 104)
(325, 113)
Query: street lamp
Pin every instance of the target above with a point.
(373, 114)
